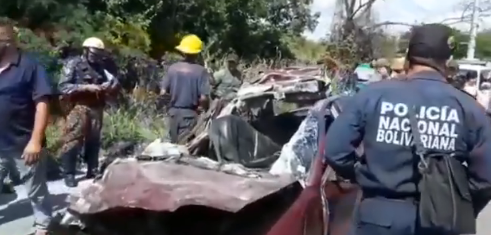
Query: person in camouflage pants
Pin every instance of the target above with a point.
(84, 85)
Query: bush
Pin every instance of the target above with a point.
(127, 125)
(136, 115)
(132, 118)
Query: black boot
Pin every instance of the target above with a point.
(70, 181)
(90, 174)
(7, 188)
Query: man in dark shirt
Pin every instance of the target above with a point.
(85, 82)
(449, 121)
(188, 85)
(24, 112)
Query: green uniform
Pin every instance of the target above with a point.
(227, 83)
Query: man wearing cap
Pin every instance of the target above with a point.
(382, 66)
(188, 85)
(452, 69)
(228, 80)
(397, 67)
(454, 77)
(378, 119)
(85, 83)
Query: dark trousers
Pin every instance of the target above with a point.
(382, 216)
(181, 123)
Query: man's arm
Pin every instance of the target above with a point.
(344, 136)
(67, 84)
(479, 163)
(204, 90)
(112, 82)
(41, 94)
(165, 82)
(217, 78)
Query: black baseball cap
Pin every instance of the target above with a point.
(431, 41)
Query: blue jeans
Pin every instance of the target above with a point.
(34, 179)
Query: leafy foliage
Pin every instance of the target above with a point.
(138, 30)
(483, 43)
(248, 28)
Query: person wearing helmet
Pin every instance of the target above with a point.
(84, 84)
(398, 123)
(188, 85)
(25, 91)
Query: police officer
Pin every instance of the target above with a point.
(188, 84)
(377, 118)
(84, 84)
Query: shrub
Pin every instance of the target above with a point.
(127, 125)
(137, 114)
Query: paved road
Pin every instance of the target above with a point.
(15, 216)
(484, 221)
(15, 210)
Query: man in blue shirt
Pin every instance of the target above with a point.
(449, 121)
(188, 85)
(24, 112)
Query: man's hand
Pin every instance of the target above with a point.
(92, 88)
(32, 153)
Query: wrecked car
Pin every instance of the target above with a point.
(252, 166)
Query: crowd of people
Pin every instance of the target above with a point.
(427, 146)
(86, 82)
(414, 93)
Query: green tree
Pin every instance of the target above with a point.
(249, 28)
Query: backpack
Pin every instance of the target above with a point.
(445, 204)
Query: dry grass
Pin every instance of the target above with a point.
(141, 120)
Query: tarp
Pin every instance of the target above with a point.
(366, 73)
(296, 156)
(235, 140)
(169, 185)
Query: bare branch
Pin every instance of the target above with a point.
(464, 18)
(361, 7)
(387, 23)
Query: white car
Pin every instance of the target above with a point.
(481, 87)
(481, 70)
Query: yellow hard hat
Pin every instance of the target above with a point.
(190, 44)
(93, 42)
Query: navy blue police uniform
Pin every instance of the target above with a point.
(377, 118)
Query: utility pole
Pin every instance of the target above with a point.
(471, 47)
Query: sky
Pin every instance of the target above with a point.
(407, 11)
